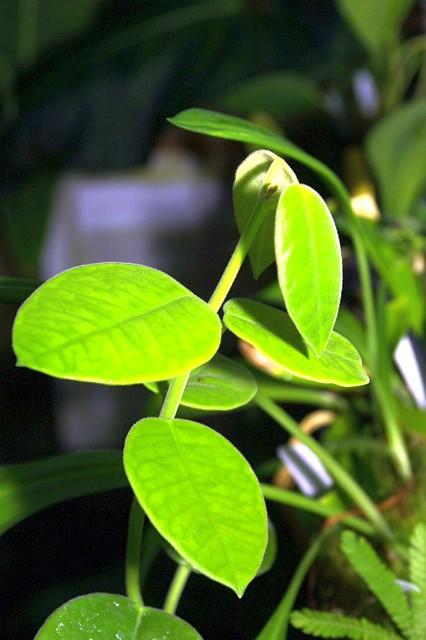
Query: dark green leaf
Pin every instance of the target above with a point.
(112, 617)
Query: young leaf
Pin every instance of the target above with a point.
(309, 263)
(114, 323)
(201, 495)
(379, 579)
(275, 336)
(330, 625)
(418, 577)
(251, 178)
(46, 482)
(105, 616)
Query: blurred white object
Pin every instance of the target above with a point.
(129, 217)
(306, 468)
(411, 370)
(365, 92)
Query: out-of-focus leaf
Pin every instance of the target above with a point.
(282, 94)
(30, 487)
(396, 151)
(411, 418)
(376, 23)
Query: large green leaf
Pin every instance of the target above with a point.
(201, 495)
(106, 616)
(309, 263)
(376, 23)
(252, 176)
(29, 487)
(396, 151)
(114, 323)
(282, 94)
(272, 332)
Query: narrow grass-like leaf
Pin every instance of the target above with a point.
(114, 323)
(329, 625)
(418, 577)
(32, 486)
(105, 617)
(201, 495)
(251, 177)
(273, 333)
(380, 580)
(309, 263)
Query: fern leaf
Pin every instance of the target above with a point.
(330, 625)
(418, 577)
(379, 579)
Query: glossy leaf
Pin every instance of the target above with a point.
(114, 323)
(272, 332)
(396, 151)
(32, 486)
(201, 495)
(309, 263)
(106, 617)
(252, 176)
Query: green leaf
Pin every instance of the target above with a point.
(418, 577)
(331, 625)
(272, 332)
(282, 94)
(309, 263)
(412, 418)
(106, 617)
(201, 495)
(220, 125)
(270, 552)
(253, 175)
(377, 23)
(380, 580)
(114, 323)
(30, 487)
(219, 385)
(395, 149)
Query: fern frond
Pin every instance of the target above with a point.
(418, 577)
(330, 625)
(379, 579)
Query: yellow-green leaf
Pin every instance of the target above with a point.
(201, 495)
(273, 333)
(114, 323)
(309, 263)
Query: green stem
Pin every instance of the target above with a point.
(277, 625)
(340, 475)
(299, 501)
(176, 588)
(133, 553)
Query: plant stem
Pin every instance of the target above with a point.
(285, 393)
(299, 501)
(133, 553)
(176, 588)
(173, 396)
(276, 627)
(340, 475)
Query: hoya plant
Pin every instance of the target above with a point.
(129, 324)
